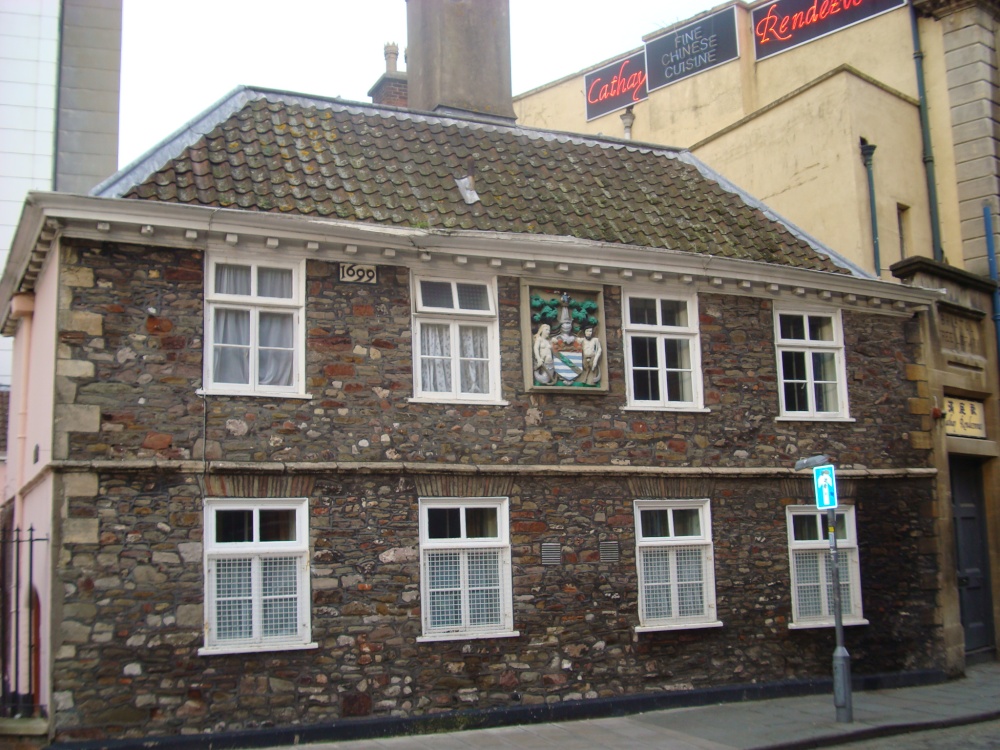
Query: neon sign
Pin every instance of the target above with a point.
(692, 49)
(616, 86)
(784, 24)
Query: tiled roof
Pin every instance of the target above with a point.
(328, 158)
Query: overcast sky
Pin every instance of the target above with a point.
(181, 56)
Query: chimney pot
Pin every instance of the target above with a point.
(391, 55)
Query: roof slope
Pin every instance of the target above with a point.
(272, 151)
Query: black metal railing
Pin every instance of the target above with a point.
(19, 624)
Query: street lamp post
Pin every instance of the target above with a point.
(841, 659)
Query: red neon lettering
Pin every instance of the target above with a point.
(618, 86)
(775, 27)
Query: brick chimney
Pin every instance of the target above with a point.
(391, 88)
(458, 57)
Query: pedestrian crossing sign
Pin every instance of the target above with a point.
(825, 484)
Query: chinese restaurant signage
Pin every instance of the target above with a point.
(616, 86)
(692, 49)
(964, 418)
(785, 24)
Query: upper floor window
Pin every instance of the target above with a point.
(662, 352)
(256, 575)
(465, 568)
(254, 327)
(812, 569)
(456, 347)
(811, 364)
(674, 556)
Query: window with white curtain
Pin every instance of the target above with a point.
(811, 364)
(465, 569)
(256, 575)
(662, 352)
(812, 566)
(254, 326)
(675, 561)
(456, 348)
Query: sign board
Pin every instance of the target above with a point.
(691, 49)
(825, 484)
(964, 418)
(783, 24)
(616, 86)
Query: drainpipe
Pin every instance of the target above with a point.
(991, 255)
(925, 131)
(867, 152)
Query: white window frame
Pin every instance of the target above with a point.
(809, 347)
(455, 319)
(673, 544)
(689, 333)
(255, 305)
(257, 551)
(848, 562)
(428, 546)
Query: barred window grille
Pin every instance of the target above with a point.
(465, 554)
(812, 566)
(674, 560)
(257, 587)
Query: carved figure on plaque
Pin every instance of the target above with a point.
(565, 358)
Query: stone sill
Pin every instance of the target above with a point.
(24, 727)
(253, 394)
(255, 648)
(467, 636)
(681, 626)
(791, 418)
(463, 401)
(826, 624)
(681, 409)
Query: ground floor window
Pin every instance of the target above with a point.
(812, 568)
(465, 568)
(675, 562)
(256, 574)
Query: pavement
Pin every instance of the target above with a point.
(777, 724)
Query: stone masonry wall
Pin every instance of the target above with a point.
(144, 369)
(129, 664)
(131, 333)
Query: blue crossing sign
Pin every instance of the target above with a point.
(825, 484)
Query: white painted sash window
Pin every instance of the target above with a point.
(662, 352)
(811, 364)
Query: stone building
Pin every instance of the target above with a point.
(332, 411)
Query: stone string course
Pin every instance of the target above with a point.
(133, 605)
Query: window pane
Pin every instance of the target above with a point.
(277, 330)
(277, 525)
(230, 279)
(484, 587)
(674, 312)
(444, 586)
(233, 526)
(679, 386)
(690, 586)
(435, 358)
(825, 375)
(656, 591)
(279, 582)
(444, 523)
(474, 370)
(642, 311)
(677, 354)
(820, 328)
(792, 326)
(276, 359)
(481, 523)
(655, 523)
(793, 365)
(473, 297)
(437, 294)
(232, 347)
(807, 583)
(841, 526)
(805, 527)
(233, 600)
(796, 397)
(274, 282)
(644, 353)
(687, 522)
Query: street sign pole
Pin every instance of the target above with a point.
(841, 659)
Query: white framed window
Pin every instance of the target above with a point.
(812, 569)
(254, 330)
(676, 564)
(456, 341)
(256, 575)
(465, 572)
(812, 380)
(662, 352)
